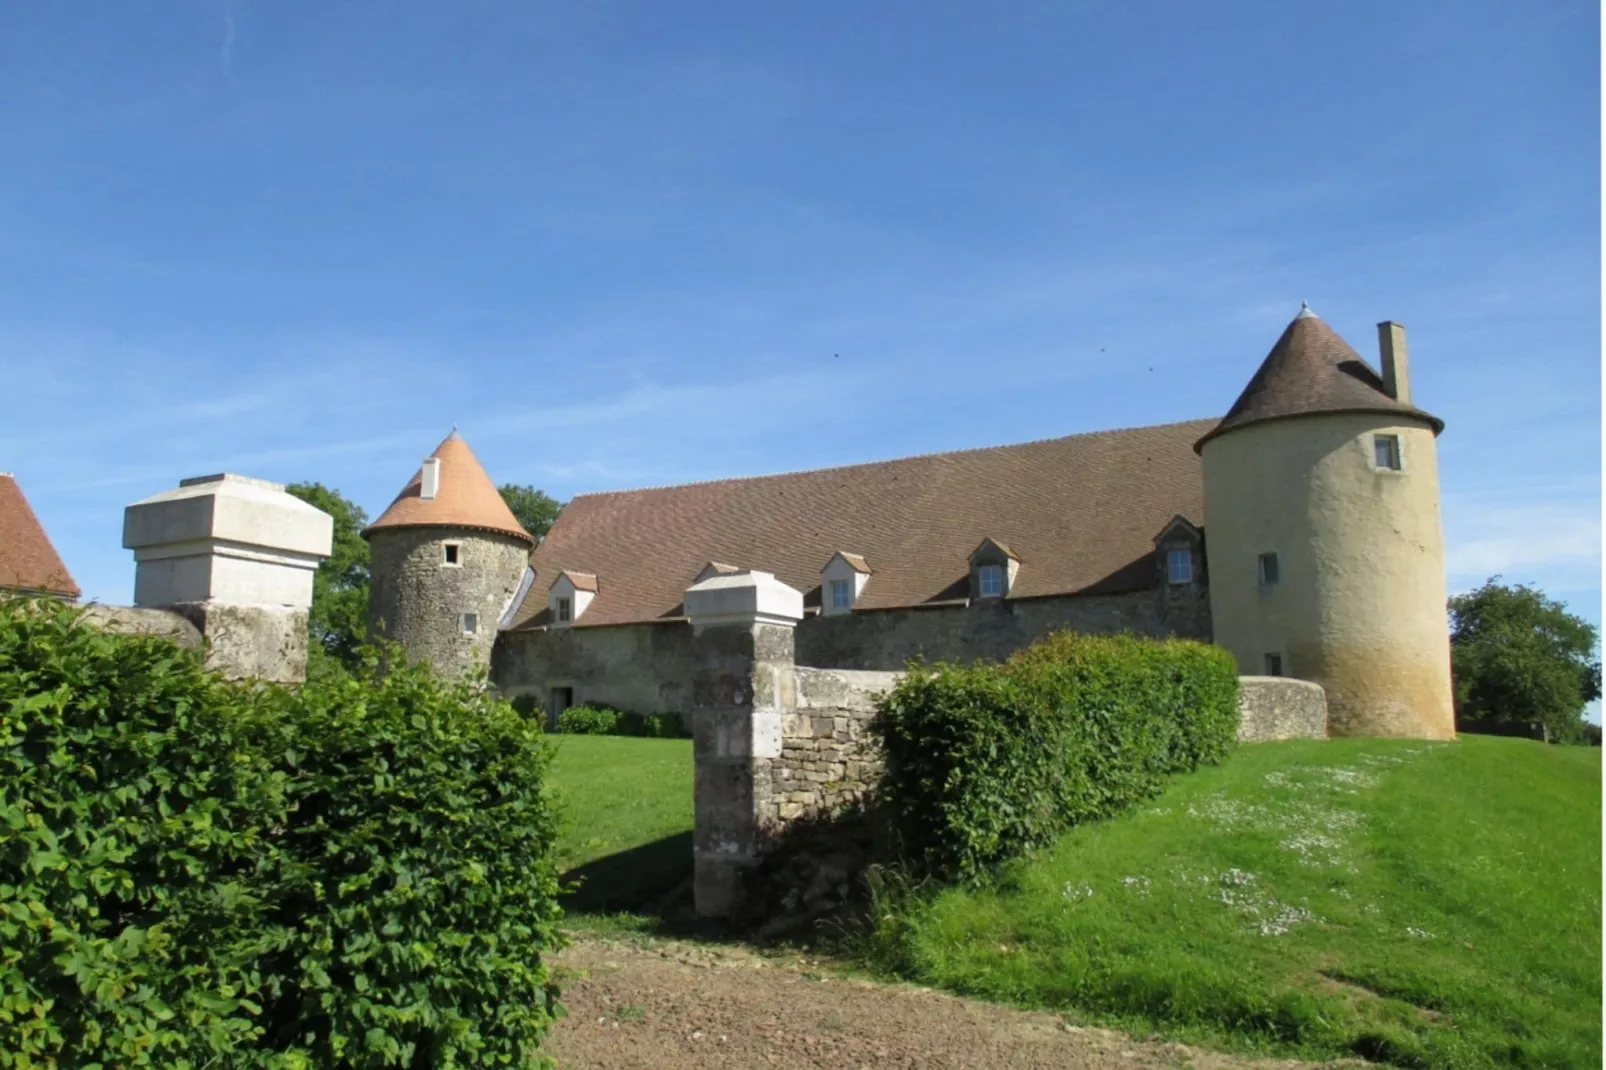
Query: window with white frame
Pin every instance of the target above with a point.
(565, 610)
(841, 594)
(1179, 566)
(1386, 452)
(1274, 664)
(452, 554)
(471, 623)
(990, 580)
(1270, 570)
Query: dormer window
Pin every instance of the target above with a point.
(993, 567)
(569, 596)
(841, 582)
(1179, 566)
(452, 554)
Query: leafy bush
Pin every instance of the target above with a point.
(194, 872)
(985, 762)
(588, 720)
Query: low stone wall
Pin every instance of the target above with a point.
(135, 620)
(644, 668)
(828, 759)
(1280, 707)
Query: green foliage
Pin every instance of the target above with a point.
(586, 720)
(358, 873)
(1431, 905)
(984, 762)
(339, 619)
(1519, 658)
(534, 510)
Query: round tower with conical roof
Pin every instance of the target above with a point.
(1323, 537)
(447, 559)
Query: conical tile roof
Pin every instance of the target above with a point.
(466, 499)
(28, 561)
(1310, 370)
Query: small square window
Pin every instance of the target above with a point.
(1179, 566)
(1270, 572)
(990, 581)
(1386, 452)
(471, 623)
(565, 610)
(452, 550)
(1274, 664)
(841, 594)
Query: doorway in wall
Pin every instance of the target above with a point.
(562, 699)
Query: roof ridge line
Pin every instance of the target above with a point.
(895, 460)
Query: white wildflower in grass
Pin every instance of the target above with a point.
(1371, 908)
(1236, 878)
(1285, 918)
(1074, 891)
(1343, 893)
(1417, 934)
(1139, 885)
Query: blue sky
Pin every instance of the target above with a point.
(623, 244)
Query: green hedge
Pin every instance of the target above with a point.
(605, 721)
(985, 762)
(197, 873)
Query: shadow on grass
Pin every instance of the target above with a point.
(650, 880)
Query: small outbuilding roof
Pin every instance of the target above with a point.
(28, 560)
(466, 498)
(1311, 370)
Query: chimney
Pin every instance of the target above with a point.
(1396, 361)
(432, 479)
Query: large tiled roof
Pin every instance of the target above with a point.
(1310, 370)
(466, 498)
(1081, 512)
(28, 562)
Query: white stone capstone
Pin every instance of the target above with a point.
(746, 597)
(225, 538)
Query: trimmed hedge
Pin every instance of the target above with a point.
(988, 761)
(199, 873)
(605, 721)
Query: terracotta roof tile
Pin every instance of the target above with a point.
(1311, 369)
(466, 498)
(583, 581)
(855, 561)
(1082, 513)
(28, 561)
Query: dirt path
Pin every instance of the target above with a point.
(676, 1006)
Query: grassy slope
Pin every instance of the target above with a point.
(1433, 905)
(616, 793)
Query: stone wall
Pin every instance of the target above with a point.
(1280, 707)
(644, 668)
(418, 599)
(137, 620)
(828, 759)
(647, 668)
(886, 639)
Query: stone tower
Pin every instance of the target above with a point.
(448, 558)
(1322, 533)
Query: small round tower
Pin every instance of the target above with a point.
(1323, 537)
(447, 559)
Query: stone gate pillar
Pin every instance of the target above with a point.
(743, 684)
(235, 557)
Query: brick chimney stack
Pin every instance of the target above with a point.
(1396, 361)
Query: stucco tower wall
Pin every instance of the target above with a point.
(1359, 606)
(418, 599)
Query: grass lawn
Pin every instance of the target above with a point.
(626, 810)
(1431, 905)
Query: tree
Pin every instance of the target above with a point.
(1520, 659)
(534, 510)
(339, 622)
